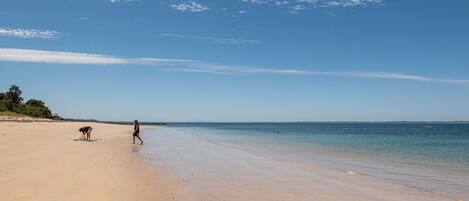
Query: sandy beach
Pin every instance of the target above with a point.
(234, 100)
(42, 161)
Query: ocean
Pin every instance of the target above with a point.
(430, 157)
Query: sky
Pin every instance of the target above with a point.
(240, 60)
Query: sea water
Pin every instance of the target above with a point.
(431, 157)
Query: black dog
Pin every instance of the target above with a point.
(86, 131)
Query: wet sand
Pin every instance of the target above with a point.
(216, 171)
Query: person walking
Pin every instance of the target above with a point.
(137, 132)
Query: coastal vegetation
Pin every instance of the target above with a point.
(11, 104)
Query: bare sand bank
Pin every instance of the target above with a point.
(42, 161)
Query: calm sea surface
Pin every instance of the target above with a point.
(430, 157)
(445, 142)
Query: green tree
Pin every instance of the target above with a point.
(35, 108)
(3, 107)
(11, 101)
(13, 97)
(35, 103)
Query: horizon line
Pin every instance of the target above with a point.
(260, 122)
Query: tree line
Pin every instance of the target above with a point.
(11, 101)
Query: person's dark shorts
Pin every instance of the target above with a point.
(136, 133)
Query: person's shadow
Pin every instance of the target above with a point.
(136, 148)
(92, 140)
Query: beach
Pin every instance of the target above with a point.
(234, 100)
(45, 161)
(42, 161)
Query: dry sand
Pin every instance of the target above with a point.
(41, 161)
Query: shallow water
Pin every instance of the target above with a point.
(426, 157)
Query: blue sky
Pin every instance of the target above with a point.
(240, 60)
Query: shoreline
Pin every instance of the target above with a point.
(43, 161)
(220, 171)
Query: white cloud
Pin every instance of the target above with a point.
(212, 39)
(189, 6)
(223, 69)
(28, 33)
(349, 3)
(302, 4)
(275, 2)
(56, 57)
(298, 7)
(293, 5)
(122, 1)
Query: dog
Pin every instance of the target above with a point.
(86, 131)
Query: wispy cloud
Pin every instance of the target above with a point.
(189, 6)
(226, 69)
(28, 33)
(212, 39)
(297, 5)
(122, 1)
(273, 2)
(348, 3)
(57, 57)
(185, 65)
